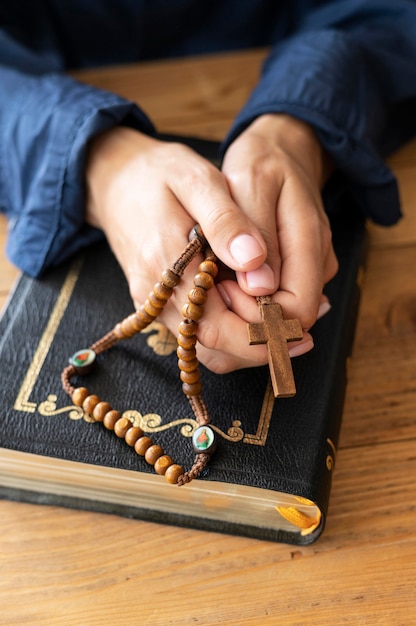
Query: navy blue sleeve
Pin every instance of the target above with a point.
(46, 121)
(350, 72)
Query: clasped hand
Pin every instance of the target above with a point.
(262, 214)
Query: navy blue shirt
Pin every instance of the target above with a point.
(347, 67)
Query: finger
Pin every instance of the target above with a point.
(331, 265)
(202, 190)
(324, 307)
(255, 182)
(306, 250)
(222, 336)
(246, 308)
(148, 248)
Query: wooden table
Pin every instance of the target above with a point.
(74, 568)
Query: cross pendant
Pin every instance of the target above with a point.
(276, 332)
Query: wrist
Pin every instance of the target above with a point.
(109, 157)
(96, 175)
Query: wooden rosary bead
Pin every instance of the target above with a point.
(187, 360)
(111, 418)
(170, 279)
(118, 331)
(142, 444)
(144, 316)
(188, 366)
(133, 434)
(186, 355)
(186, 342)
(90, 403)
(122, 426)
(193, 389)
(100, 410)
(153, 453)
(192, 311)
(79, 395)
(155, 301)
(197, 295)
(162, 292)
(204, 280)
(150, 309)
(188, 328)
(135, 323)
(209, 267)
(190, 377)
(128, 327)
(162, 464)
(173, 472)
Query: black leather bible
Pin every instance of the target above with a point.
(271, 475)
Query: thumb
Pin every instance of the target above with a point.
(233, 237)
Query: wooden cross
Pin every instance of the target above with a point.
(276, 332)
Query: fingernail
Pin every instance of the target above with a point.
(245, 249)
(263, 278)
(301, 348)
(323, 309)
(224, 295)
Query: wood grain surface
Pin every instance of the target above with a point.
(72, 568)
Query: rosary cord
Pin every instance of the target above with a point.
(193, 247)
(200, 410)
(200, 463)
(66, 376)
(187, 359)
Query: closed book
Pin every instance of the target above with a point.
(270, 477)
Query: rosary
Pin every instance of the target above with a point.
(273, 330)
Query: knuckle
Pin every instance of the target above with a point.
(220, 218)
(331, 267)
(150, 258)
(308, 317)
(326, 237)
(217, 363)
(200, 172)
(187, 166)
(137, 290)
(258, 172)
(209, 336)
(211, 349)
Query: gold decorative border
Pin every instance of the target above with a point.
(149, 423)
(22, 402)
(330, 459)
(259, 439)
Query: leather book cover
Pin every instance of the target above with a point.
(279, 452)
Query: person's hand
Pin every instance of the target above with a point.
(146, 195)
(275, 172)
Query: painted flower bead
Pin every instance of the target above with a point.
(83, 361)
(204, 440)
